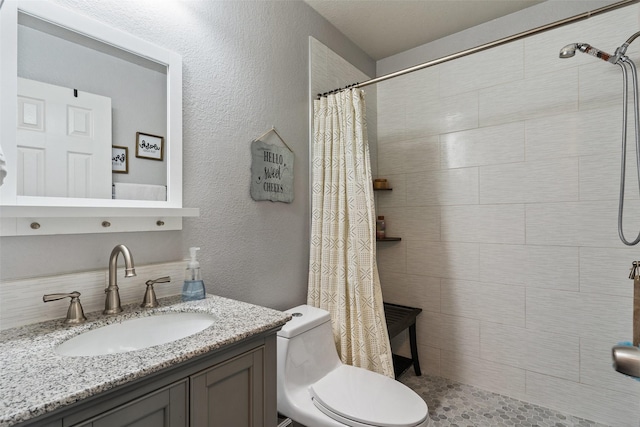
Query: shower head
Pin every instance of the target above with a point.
(570, 50)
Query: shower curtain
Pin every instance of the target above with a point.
(343, 275)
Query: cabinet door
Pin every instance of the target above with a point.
(166, 407)
(230, 394)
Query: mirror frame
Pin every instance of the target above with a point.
(14, 205)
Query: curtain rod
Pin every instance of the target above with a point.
(499, 42)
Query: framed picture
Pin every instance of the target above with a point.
(149, 146)
(119, 159)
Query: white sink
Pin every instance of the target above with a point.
(136, 334)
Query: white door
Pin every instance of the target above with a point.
(64, 142)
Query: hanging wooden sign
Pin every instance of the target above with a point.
(271, 172)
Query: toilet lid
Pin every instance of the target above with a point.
(358, 397)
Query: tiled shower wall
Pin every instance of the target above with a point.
(505, 171)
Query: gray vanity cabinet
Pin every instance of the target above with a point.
(230, 394)
(234, 386)
(166, 407)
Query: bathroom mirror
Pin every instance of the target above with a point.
(112, 101)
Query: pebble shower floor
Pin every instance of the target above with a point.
(453, 404)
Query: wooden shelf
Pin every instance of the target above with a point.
(389, 239)
(382, 189)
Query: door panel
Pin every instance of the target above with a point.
(73, 135)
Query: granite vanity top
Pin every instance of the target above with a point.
(35, 380)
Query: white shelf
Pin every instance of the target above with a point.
(94, 212)
(48, 220)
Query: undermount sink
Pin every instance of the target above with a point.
(135, 334)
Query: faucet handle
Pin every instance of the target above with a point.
(75, 314)
(150, 300)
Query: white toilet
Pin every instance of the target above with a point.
(315, 389)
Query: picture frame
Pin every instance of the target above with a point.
(149, 146)
(119, 159)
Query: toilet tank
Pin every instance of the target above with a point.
(305, 317)
(306, 349)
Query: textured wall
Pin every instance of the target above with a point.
(505, 168)
(245, 69)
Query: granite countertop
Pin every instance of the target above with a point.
(35, 380)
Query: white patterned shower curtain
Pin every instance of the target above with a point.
(343, 275)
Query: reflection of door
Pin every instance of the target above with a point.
(64, 142)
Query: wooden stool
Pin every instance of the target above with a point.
(399, 318)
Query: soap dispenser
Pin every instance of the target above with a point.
(193, 288)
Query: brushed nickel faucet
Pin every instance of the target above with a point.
(75, 314)
(150, 300)
(112, 302)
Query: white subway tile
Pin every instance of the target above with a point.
(414, 291)
(488, 375)
(483, 223)
(429, 359)
(552, 267)
(485, 69)
(424, 292)
(504, 344)
(442, 259)
(483, 301)
(582, 133)
(429, 329)
(458, 334)
(319, 73)
(553, 354)
(610, 408)
(447, 187)
(554, 311)
(606, 270)
(412, 223)
(394, 286)
(542, 352)
(483, 146)
(587, 315)
(431, 115)
(600, 179)
(576, 224)
(600, 85)
(503, 263)
(459, 223)
(545, 95)
(391, 256)
(552, 180)
(391, 110)
(503, 183)
(421, 95)
(416, 155)
(606, 317)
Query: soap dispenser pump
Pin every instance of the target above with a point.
(193, 288)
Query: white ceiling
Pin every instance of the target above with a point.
(385, 27)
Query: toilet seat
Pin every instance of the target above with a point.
(360, 398)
